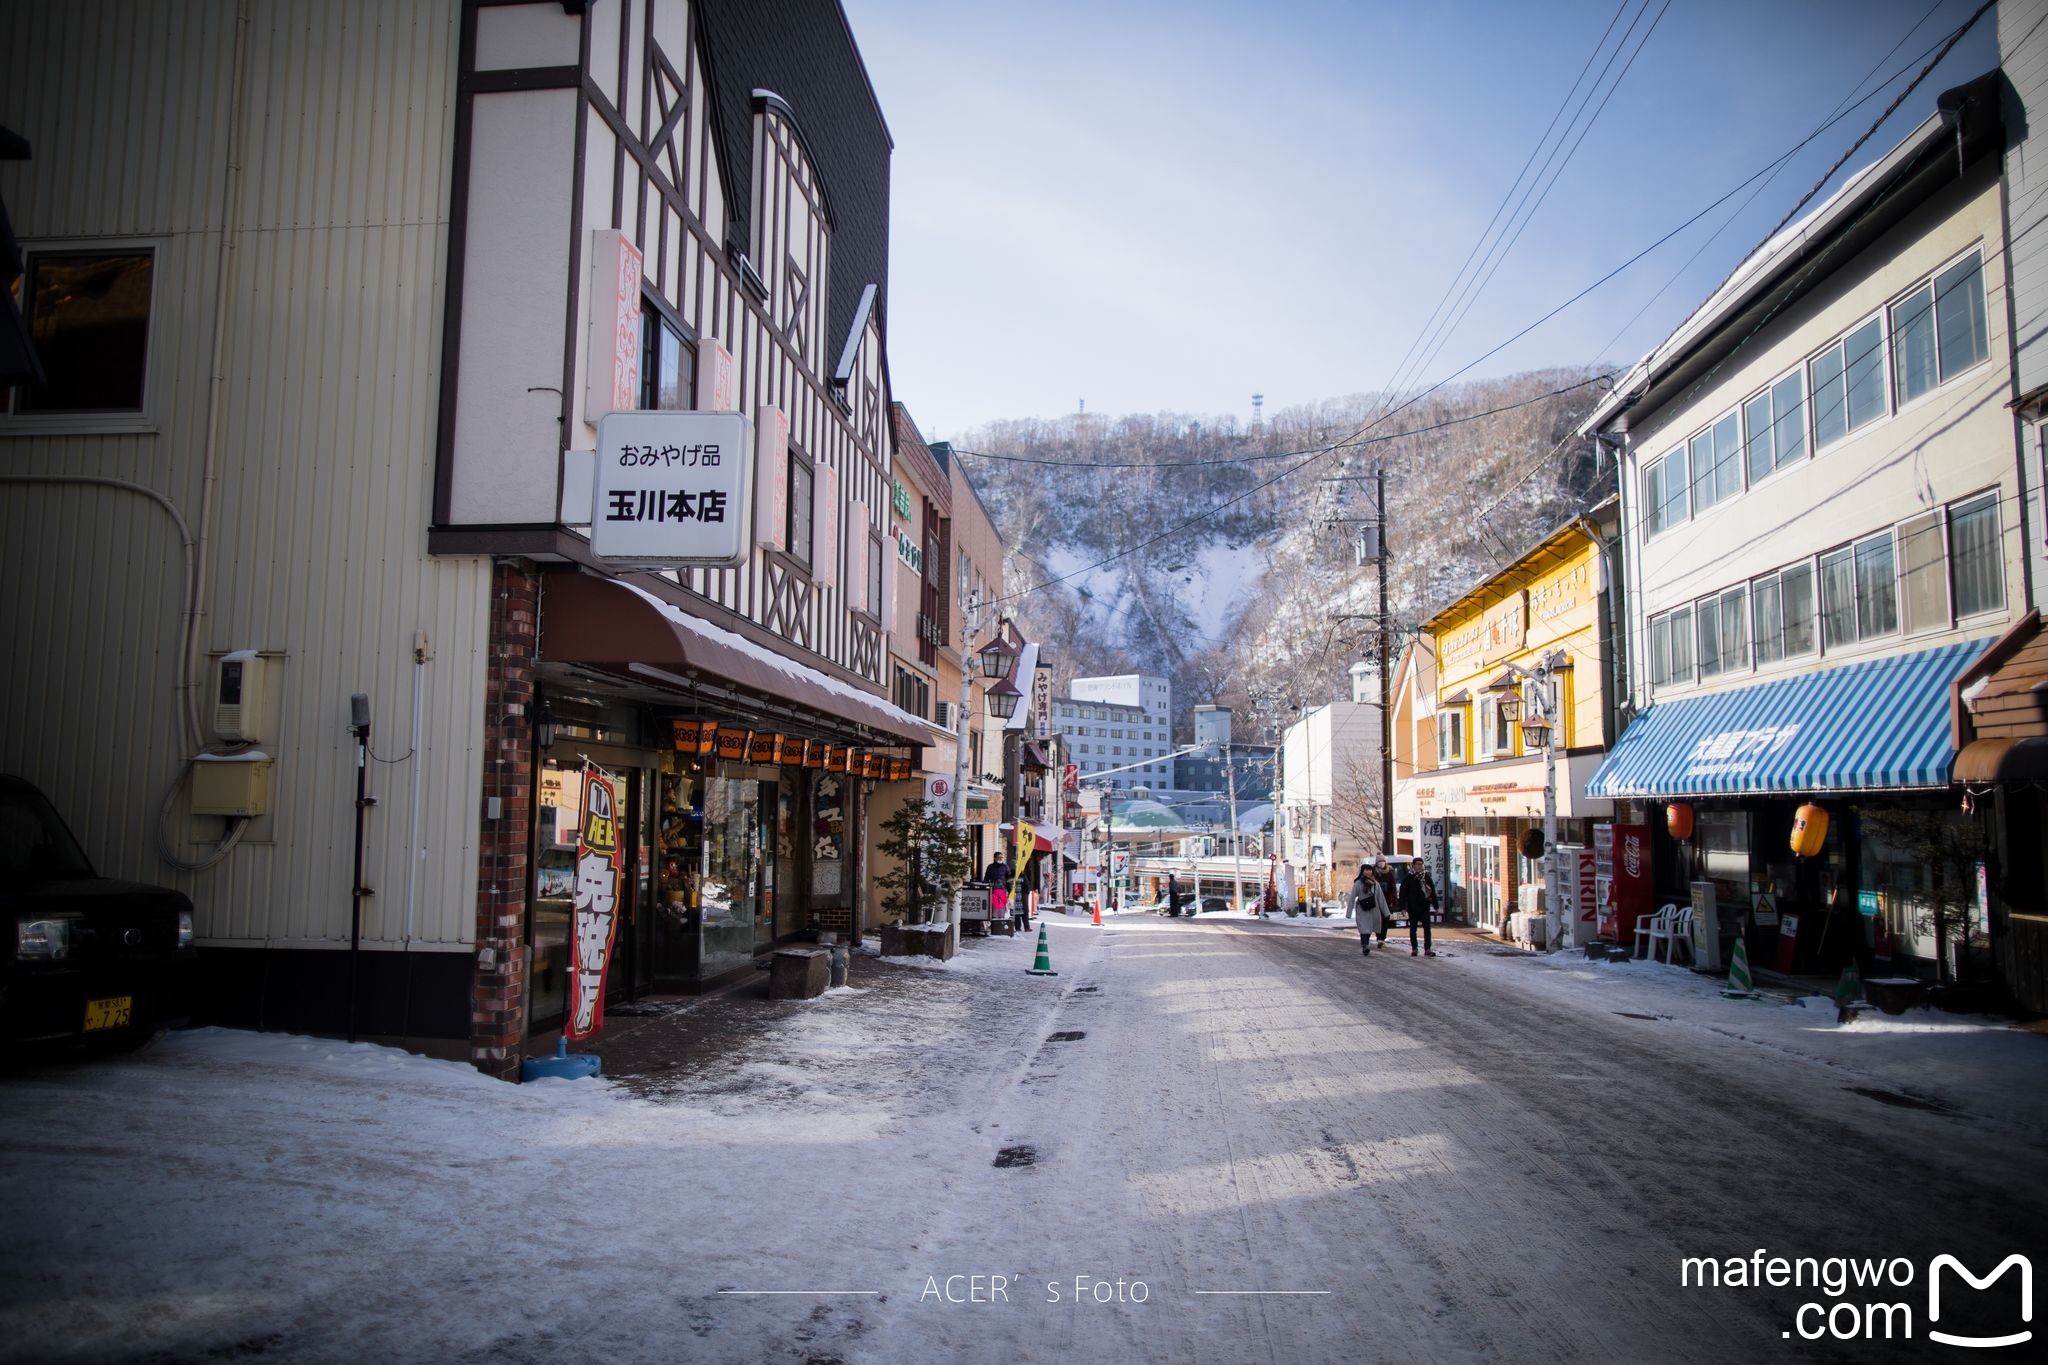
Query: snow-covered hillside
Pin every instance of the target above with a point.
(1222, 556)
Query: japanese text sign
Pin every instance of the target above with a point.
(594, 903)
(673, 488)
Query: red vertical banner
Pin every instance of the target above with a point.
(594, 918)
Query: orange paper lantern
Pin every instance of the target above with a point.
(1809, 830)
(1678, 819)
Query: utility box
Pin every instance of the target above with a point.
(241, 695)
(234, 785)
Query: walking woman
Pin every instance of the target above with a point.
(1368, 906)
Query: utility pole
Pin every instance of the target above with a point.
(1386, 709)
(1236, 849)
(970, 627)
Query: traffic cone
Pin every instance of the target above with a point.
(1043, 966)
(1847, 991)
(1739, 986)
(1098, 914)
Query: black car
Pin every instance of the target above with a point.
(87, 956)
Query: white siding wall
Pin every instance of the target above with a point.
(326, 441)
(2023, 52)
(1954, 441)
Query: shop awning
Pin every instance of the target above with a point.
(1879, 725)
(605, 623)
(2003, 760)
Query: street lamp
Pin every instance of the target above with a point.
(1537, 725)
(996, 656)
(1003, 699)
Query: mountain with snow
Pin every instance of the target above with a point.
(1224, 556)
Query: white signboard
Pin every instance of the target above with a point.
(613, 374)
(938, 790)
(771, 477)
(673, 488)
(1041, 703)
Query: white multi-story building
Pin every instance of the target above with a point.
(1824, 522)
(1327, 805)
(1114, 722)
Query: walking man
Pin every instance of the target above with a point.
(1368, 908)
(1417, 902)
(1383, 877)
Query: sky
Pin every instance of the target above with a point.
(1167, 207)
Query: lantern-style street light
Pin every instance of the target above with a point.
(1003, 699)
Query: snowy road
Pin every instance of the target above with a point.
(1477, 1157)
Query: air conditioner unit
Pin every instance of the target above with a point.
(946, 715)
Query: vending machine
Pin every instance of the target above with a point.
(1624, 880)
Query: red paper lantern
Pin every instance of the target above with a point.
(1678, 819)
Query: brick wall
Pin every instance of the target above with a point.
(497, 1012)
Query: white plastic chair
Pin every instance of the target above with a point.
(1650, 927)
(1675, 934)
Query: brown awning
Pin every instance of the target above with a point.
(2003, 760)
(1458, 698)
(1034, 757)
(604, 623)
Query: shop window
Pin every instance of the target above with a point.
(1976, 560)
(668, 363)
(1781, 612)
(88, 312)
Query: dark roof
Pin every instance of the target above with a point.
(804, 52)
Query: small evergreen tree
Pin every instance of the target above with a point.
(928, 861)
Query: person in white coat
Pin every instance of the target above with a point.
(1368, 906)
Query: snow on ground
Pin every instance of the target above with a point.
(1242, 1105)
(1985, 1062)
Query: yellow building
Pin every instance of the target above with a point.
(1489, 647)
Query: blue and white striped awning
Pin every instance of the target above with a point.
(1878, 725)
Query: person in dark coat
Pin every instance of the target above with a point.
(1172, 895)
(1417, 901)
(1383, 874)
(998, 873)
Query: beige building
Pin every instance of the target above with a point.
(356, 284)
(1824, 521)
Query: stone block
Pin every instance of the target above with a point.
(799, 973)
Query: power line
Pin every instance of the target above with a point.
(1352, 439)
(1429, 322)
(1494, 266)
(1285, 454)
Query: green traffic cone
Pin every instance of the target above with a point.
(1849, 988)
(1043, 966)
(1740, 986)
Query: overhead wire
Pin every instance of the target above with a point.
(1507, 197)
(1311, 456)
(1509, 244)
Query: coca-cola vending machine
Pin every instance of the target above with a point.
(1623, 878)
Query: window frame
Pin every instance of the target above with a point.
(1942, 374)
(143, 419)
(655, 309)
(1655, 502)
(1993, 498)
(802, 551)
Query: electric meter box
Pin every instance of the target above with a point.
(241, 695)
(234, 785)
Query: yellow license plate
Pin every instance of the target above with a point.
(114, 1012)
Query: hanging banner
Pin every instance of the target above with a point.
(1025, 842)
(595, 921)
(1041, 703)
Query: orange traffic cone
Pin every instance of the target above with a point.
(1097, 907)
